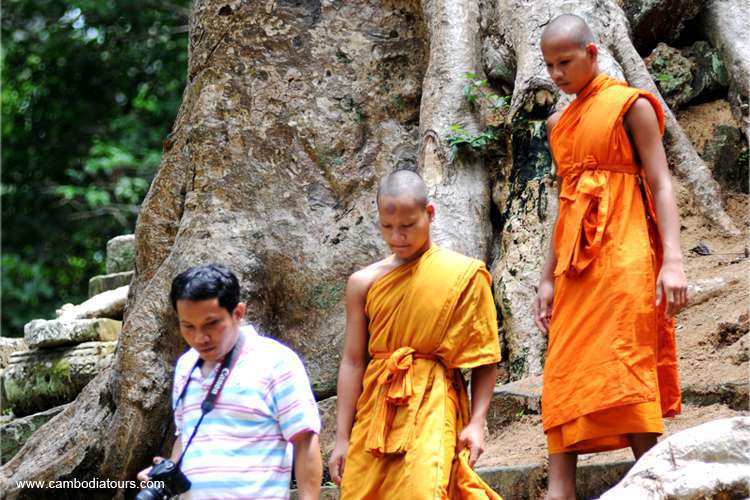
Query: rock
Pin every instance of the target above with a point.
(730, 332)
(654, 21)
(710, 75)
(702, 290)
(739, 352)
(724, 154)
(731, 394)
(688, 74)
(121, 254)
(38, 380)
(104, 282)
(513, 400)
(708, 461)
(15, 432)
(9, 345)
(41, 333)
(673, 74)
(327, 409)
(109, 304)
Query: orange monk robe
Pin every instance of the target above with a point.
(426, 319)
(611, 368)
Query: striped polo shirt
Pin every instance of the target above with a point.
(242, 448)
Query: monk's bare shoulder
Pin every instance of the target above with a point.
(552, 121)
(360, 282)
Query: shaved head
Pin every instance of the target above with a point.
(403, 183)
(570, 27)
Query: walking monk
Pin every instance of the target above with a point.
(614, 268)
(412, 320)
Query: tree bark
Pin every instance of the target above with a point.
(725, 23)
(460, 190)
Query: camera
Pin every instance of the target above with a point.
(173, 481)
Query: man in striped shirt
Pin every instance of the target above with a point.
(265, 417)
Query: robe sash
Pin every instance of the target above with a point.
(585, 191)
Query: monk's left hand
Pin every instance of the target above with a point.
(472, 437)
(671, 285)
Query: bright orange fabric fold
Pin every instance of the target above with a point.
(426, 320)
(610, 348)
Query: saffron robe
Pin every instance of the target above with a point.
(611, 365)
(426, 320)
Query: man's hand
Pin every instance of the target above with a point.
(336, 461)
(144, 476)
(671, 285)
(543, 304)
(472, 437)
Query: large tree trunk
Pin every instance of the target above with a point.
(460, 190)
(726, 25)
(292, 111)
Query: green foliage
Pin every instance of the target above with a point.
(90, 89)
(664, 77)
(460, 138)
(475, 91)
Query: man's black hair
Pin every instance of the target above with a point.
(207, 282)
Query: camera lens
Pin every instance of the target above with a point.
(151, 494)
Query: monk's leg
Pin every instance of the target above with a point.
(642, 442)
(562, 476)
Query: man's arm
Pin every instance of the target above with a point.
(351, 371)
(308, 469)
(671, 284)
(472, 436)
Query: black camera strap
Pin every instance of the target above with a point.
(213, 393)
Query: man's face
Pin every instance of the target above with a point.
(405, 225)
(569, 65)
(209, 328)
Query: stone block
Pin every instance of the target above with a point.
(109, 304)
(121, 254)
(104, 282)
(38, 380)
(15, 432)
(41, 333)
(9, 345)
(511, 401)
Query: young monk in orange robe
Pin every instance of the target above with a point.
(614, 276)
(413, 320)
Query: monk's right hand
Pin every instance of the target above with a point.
(144, 476)
(543, 304)
(336, 462)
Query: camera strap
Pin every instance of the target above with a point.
(213, 393)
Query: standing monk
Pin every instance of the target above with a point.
(412, 321)
(614, 268)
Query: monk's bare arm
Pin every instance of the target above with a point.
(472, 436)
(352, 369)
(546, 289)
(642, 122)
